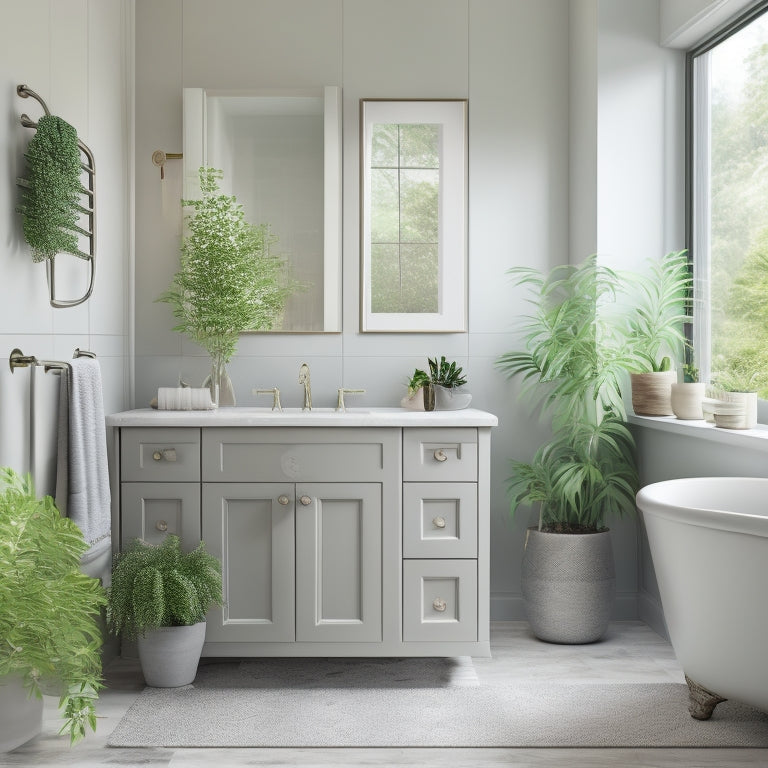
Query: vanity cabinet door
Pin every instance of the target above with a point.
(338, 562)
(250, 526)
(151, 511)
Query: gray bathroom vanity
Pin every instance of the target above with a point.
(356, 533)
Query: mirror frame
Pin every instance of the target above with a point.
(451, 116)
(195, 151)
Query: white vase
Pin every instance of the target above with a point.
(222, 391)
(169, 655)
(687, 399)
(21, 717)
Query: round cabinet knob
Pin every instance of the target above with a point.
(440, 455)
(157, 455)
(439, 604)
(283, 500)
(438, 522)
(305, 500)
(161, 525)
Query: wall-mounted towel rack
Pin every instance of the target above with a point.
(18, 359)
(159, 158)
(89, 166)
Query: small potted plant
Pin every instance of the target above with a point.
(735, 385)
(159, 596)
(687, 396)
(447, 379)
(49, 616)
(228, 282)
(414, 400)
(656, 331)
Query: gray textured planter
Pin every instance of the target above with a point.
(169, 655)
(568, 584)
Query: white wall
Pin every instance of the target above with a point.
(74, 54)
(548, 146)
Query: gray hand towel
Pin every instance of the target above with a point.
(82, 479)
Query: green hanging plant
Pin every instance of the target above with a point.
(51, 194)
(228, 281)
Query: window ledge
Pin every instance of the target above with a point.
(756, 439)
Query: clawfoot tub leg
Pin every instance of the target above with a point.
(701, 702)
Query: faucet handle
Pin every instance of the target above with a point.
(275, 392)
(342, 391)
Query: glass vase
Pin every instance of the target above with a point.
(218, 381)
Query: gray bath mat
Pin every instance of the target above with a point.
(418, 703)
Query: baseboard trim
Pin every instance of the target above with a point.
(509, 606)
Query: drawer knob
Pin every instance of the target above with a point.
(161, 525)
(439, 604)
(283, 500)
(438, 522)
(305, 500)
(169, 454)
(441, 455)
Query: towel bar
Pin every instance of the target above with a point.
(18, 359)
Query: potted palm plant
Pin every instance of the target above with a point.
(229, 281)
(656, 331)
(49, 616)
(572, 364)
(159, 595)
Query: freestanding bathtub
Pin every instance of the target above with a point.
(709, 545)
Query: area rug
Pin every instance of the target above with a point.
(418, 703)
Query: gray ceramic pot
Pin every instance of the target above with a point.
(169, 655)
(569, 585)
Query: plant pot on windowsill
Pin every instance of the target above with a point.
(687, 399)
(652, 393)
(736, 410)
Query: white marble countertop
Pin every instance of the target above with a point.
(248, 416)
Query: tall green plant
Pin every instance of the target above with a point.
(228, 281)
(49, 609)
(573, 362)
(161, 586)
(659, 301)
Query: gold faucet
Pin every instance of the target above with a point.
(304, 379)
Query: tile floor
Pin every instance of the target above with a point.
(631, 652)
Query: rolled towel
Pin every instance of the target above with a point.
(184, 399)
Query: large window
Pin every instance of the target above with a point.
(728, 222)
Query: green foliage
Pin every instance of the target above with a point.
(445, 374)
(161, 586)
(51, 195)
(418, 380)
(659, 303)
(49, 610)
(575, 355)
(228, 281)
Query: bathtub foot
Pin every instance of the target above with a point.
(701, 702)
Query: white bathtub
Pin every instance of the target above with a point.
(709, 544)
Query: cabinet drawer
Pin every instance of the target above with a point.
(160, 455)
(439, 600)
(151, 511)
(440, 454)
(440, 520)
(297, 454)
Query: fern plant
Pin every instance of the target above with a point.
(160, 586)
(229, 281)
(49, 609)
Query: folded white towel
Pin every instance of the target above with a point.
(184, 399)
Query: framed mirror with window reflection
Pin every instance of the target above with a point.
(280, 154)
(413, 212)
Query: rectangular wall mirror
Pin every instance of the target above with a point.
(280, 153)
(413, 213)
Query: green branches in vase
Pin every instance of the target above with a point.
(229, 281)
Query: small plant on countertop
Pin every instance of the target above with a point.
(417, 381)
(445, 374)
(49, 609)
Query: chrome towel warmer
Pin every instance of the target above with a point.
(90, 169)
